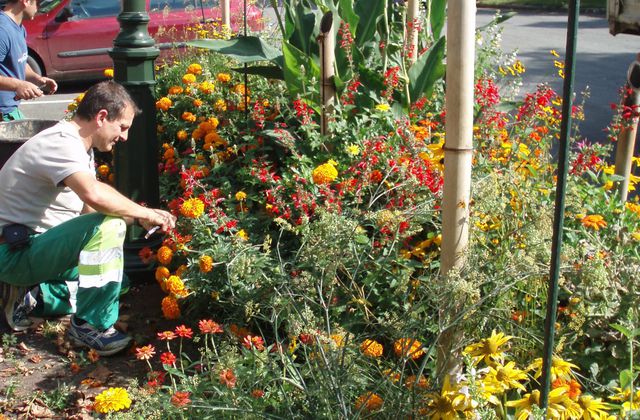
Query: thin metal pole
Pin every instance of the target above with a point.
(558, 220)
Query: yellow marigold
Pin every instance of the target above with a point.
(188, 79)
(162, 273)
(593, 221)
(408, 347)
(108, 73)
(223, 77)
(163, 104)
(111, 400)
(371, 348)
(369, 402)
(213, 137)
(213, 121)
(192, 208)
(188, 116)
(170, 308)
(325, 173)
(220, 105)
(175, 285)
(79, 98)
(206, 87)
(194, 68)
(175, 90)
(338, 339)
(164, 255)
(242, 234)
(205, 263)
(241, 196)
(182, 135)
(103, 170)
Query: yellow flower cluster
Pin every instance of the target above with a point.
(223, 77)
(195, 69)
(175, 286)
(192, 208)
(111, 400)
(108, 73)
(206, 87)
(188, 79)
(325, 173)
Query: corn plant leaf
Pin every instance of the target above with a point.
(244, 49)
(298, 68)
(349, 15)
(370, 12)
(426, 71)
(437, 16)
(300, 24)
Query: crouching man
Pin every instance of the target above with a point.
(61, 249)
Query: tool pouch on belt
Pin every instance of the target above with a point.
(17, 236)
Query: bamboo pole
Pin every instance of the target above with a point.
(226, 13)
(457, 161)
(327, 40)
(413, 16)
(627, 136)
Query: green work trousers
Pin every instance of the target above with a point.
(83, 257)
(14, 115)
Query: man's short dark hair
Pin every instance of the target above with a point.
(108, 95)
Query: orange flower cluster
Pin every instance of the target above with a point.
(205, 263)
(371, 348)
(593, 221)
(369, 401)
(163, 104)
(164, 255)
(325, 173)
(195, 69)
(408, 348)
(170, 308)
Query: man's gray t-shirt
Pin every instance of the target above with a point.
(31, 189)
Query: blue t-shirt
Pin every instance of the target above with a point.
(13, 58)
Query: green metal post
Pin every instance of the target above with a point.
(558, 220)
(133, 54)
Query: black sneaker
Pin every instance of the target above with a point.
(105, 343)
(18, 303)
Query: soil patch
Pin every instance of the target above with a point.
(43, 376)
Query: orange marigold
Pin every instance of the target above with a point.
(175, 285)
(108, 73)
(220, 105)
(170, 308)
(192, 208)
(408, 347)
(164, 103)
(369, 402)
(223, 77)
(188, 116)
(164, 255)
(205, 263)
(371, 348)
(593, 221)
(325, 173)
(182, 135)
(175, 90)
(197, 103)
(103, 170)
(194, 68)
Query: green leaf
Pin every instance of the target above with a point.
(624, 330)
(245, 49)
(437, 16)
(345, 8)
(300, 26)
(426, 71)
(269, 72)
(626, 378)
(370, 12)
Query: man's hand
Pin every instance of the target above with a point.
(158, 217)
(27, 90)
(48, 86)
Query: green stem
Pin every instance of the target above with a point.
(385, 58)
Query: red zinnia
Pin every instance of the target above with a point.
(227, 378)
(208, 326)
(180, 398)
(183, 331)
(253, 341)
(168, 358)
(166, 335)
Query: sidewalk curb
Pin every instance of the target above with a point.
(592, 11)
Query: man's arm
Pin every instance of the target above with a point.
(106, 199)
(44, 83)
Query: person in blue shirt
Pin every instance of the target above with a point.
(17, 80)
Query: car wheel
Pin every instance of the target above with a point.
(34, 64)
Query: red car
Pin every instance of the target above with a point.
(69, 39)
